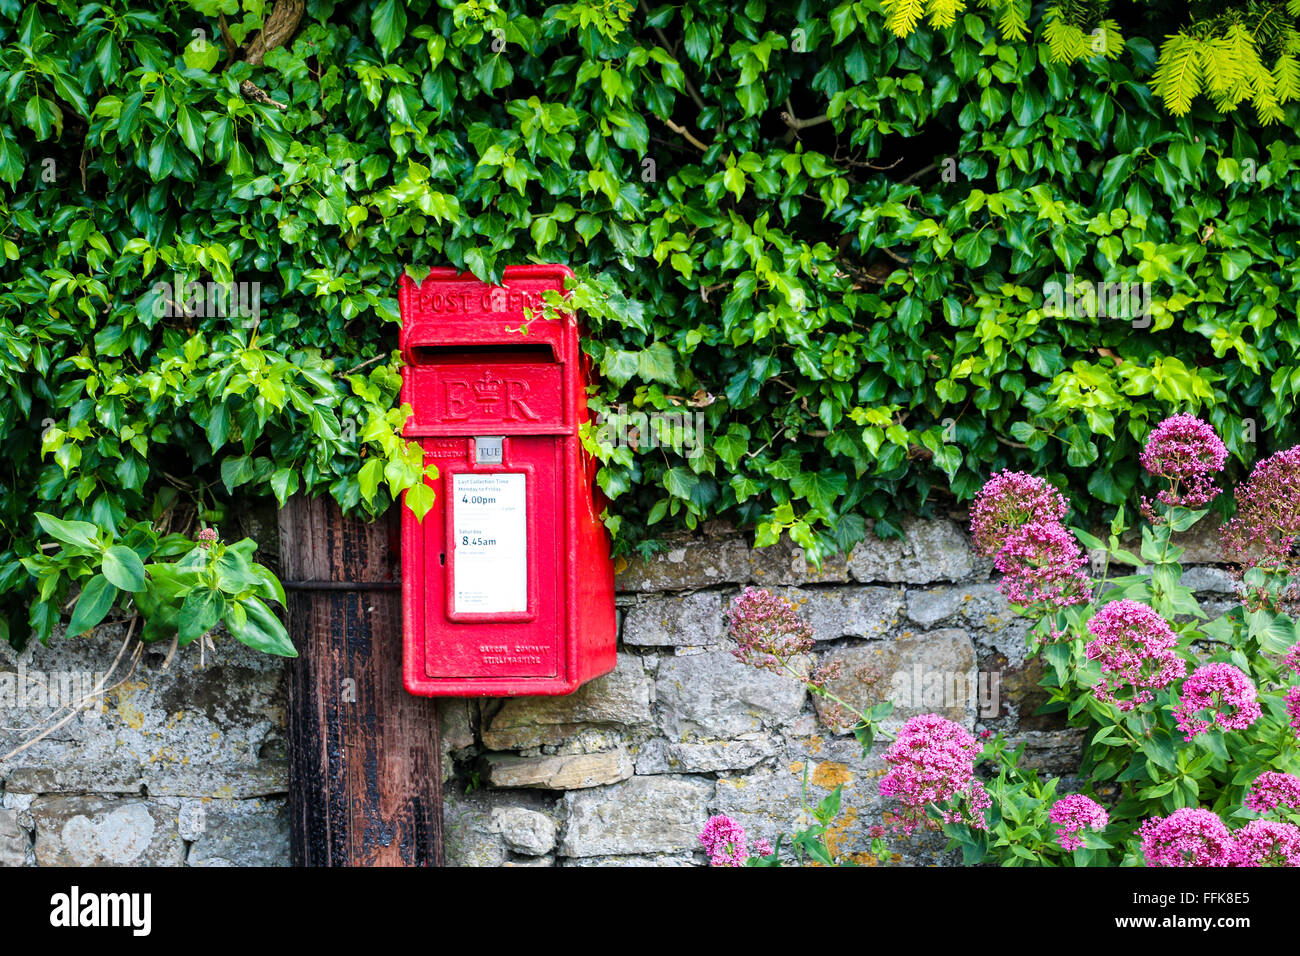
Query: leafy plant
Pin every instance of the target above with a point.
(828, 241)
(208, 583)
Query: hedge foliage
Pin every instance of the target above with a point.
(831, 242)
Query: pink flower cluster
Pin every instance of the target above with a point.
(207, 536)
(767, 629)
(1040, 564)
(1187, 837)
(1008, 500)
(1195, 837)
(1223, 690)
(933, 761)
(1074, 813)
(1187, 452)
(1016, 518)
(724, 842)
(1273, 789)
(1291, 661)
(1265, 843)
(1136, 650)
(1266, 528)
(1292, 698)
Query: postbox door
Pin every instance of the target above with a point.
(495, 544)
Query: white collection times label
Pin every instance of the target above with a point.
(490, 554)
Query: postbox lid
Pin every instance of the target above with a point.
(452, 308)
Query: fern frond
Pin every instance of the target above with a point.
(1065, 41)
(901, 16)
(1286, 78)
(1267, 108)
(1293, 7)
(1014, 20)
(1179, 75)
(943, 13)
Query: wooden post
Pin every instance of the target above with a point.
(365, 769)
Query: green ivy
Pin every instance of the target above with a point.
(830, 242)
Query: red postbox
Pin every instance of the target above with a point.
(507, 583)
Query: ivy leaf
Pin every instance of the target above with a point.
(658, 363)
(388, 22)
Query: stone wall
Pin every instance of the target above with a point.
(184, 763)
(179, 763)
(627, 770)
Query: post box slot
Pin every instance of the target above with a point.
(478, 354)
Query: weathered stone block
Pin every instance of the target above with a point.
(663, 756)
(981, 607)
(1209, 580)
(620, 698)
(100, 831)
(677, 620)
(920, 673)
(689, 564)
(182, 778)
(641, 815)
(481, 828)
(242, 833)
(715, 695)
(933, 550)
(111, 776)
(784, 563)
(13, 839)
(1055, 752)
(847, 612)
(557, 772)
(525, 831)
(654, 860)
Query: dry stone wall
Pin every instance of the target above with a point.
(184, 762)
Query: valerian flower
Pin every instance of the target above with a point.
(1187, 837)
(1185, 451)
(1273, 789)
(1008, 500)
(1266, 843)
(1226, 692)
(1040, 563)
(724, 842)
(933, 761)
(1264, 533)
(767, 629)
(1136, 649)
(1074, 813)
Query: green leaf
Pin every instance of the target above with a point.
(123, 568)
(260, 629)
(80, 534)
(388, 22)
(200, 613)
(96, 599)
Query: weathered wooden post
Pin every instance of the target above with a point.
(365, 780)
